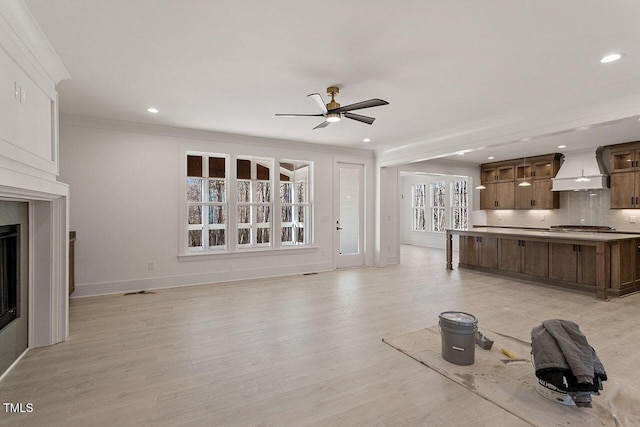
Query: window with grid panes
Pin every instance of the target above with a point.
(459, 205)
(419, 202)
(295, 206)
(254, 204)
(206, 199)
(438, 206)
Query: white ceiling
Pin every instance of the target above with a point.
(229, 66)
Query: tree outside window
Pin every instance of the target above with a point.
(438, 222)
(209, 213)
(254, 205)
(459, 205)
(295, 204)
(419, 201)
(206, 199)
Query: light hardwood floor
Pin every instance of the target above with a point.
(294, 351)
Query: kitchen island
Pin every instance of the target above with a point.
(607, 264)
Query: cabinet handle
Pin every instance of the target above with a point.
(530, 202)
(534, 202)
(632, 200)
(636, 200)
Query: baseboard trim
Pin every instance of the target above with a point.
(15, 362)
(108, 288)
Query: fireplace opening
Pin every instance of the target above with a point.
(9, 273)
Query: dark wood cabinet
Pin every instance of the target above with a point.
(543, 196)
(522, 256)
(607, 264)
(625, 266)
(535, 258)
(572, 263)
(498, 195)
(501, 183)
(479, 251)
(624, 190)
(624, 167)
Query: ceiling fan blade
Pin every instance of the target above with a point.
(358, 117)
(322, 125)
(360, 105)
(300, 115)
(317, 100)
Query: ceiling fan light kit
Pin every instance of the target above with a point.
(333, 117)
(333, 112)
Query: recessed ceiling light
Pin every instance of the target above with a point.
(612, 57)
(153, 110)
(460, 153)
(490, 158)
(366, 140)
(562, 146)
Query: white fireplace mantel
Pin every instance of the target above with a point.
(29, 165)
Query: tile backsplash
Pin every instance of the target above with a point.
(576, 208)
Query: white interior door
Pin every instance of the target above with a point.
(350, 215)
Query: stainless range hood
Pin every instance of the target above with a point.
(582, 171)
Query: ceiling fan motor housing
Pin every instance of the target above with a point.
(333, 91)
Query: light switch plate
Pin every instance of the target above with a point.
(632, 219)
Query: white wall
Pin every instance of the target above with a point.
(125, 207)
(388, 206)
(417, 173)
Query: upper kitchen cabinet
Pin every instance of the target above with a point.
(624, 165)
(501, 181)
(624, 159)
(504, 173)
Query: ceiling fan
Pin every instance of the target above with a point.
(333, 112)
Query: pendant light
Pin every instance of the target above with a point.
(524, 183)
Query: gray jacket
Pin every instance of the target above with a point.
(559, 344)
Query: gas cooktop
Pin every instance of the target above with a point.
(592, 228)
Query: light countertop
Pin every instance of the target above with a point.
(546, 234)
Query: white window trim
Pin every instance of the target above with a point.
(454, 207)
(414, 208)
(432, 207)
(204, 226)
(231, 238)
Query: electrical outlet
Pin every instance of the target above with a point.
(151, 265)
(499, 216)
(632, 219)
(542, 217)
